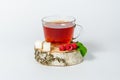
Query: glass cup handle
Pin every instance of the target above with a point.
(79, 30)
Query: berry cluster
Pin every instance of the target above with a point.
(69, 47)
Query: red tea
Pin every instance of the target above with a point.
(58, 32)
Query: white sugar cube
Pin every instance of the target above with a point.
(46, 46)
(38, 44)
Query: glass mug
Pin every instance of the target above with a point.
(59, 30)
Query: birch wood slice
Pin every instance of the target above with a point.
(58, 58)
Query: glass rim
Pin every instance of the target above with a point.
(58, 18)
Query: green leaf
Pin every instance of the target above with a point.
(79, 44)
(81, 48)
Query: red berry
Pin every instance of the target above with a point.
(62, 48)
(74, 45)
(69, 47)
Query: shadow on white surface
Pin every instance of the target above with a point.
(93, 48)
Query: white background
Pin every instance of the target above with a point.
(20, 27)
